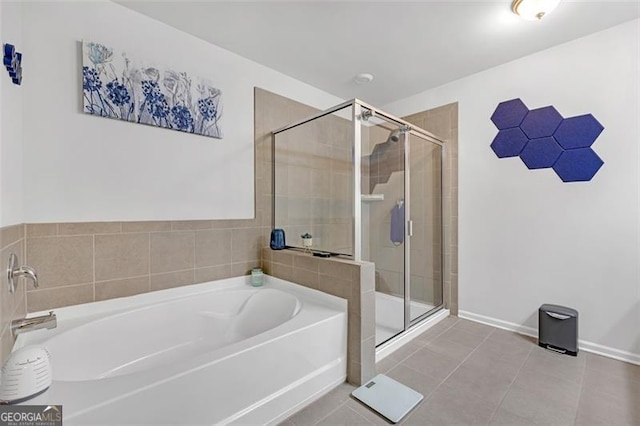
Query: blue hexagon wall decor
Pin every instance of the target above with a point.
(509, 142)
(12, 61)
(577, 165)
(509, 114)
(541, 153)
(541, 122)
(578, 132)
(543, 139)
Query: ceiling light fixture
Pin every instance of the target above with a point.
(363, 78)
(533, 10)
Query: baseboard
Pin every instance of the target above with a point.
(533, 332)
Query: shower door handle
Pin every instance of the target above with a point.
(410, 228)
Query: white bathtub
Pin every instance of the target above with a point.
(214, 353)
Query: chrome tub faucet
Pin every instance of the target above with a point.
(24, 325)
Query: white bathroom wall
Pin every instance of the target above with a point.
(11, 143)
(526, 238)
(86, 168)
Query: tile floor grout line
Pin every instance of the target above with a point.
(358, 414)
(584, 372)
(330, 412)
(450, 374)
(495, 410)
(425, 344)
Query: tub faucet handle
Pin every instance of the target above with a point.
(14, 272)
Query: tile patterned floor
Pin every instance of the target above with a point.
(470, 373)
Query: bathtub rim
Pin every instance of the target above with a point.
(70, 317)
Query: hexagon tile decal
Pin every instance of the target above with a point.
(509, 114)
(543, 139)
(578, 132)
(509, 142)
(577, 165)
(541, 122)
(541, 153)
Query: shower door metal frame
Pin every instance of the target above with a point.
(408, 322)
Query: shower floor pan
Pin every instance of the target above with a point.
(390, 315)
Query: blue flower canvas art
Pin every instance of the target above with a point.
(118, 86)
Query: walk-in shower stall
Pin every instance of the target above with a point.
(359, 182)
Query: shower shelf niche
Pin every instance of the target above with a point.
(368, 198)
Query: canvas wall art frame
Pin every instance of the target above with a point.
(119, 86)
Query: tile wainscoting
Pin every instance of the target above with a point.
(86, 262)
(13, 305)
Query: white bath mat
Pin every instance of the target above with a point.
(391, 399)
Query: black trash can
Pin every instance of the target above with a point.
(558, 329)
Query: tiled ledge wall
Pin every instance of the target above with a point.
(354, 281)
(85, 262)
(12, 306)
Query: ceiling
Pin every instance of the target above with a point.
(408, 46)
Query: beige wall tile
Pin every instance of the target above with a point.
(368, 359)
(8, 301)
(62, 260)
(338, 269)
(172, 251)
(146, 226)
(20, 304)
(212, 273)
(190, 225)
(282, 271)
(266, 253)
(245, 244)
(41, 229)
(307, 262)
(244, 268)
(366, 277)
(368, 314)
(336, 286)
(40, 300)
(283, 257)
(121, 288)
(89, 228)
(11, 234)
(171, 279)
(305, 277)
(121, 256)
(213, 247)
(12, 305)
(353, 373)
(354, 341)
(267, 267)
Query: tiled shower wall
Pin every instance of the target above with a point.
(12, 306)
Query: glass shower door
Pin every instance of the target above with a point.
(424, 256)
(383, 230)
